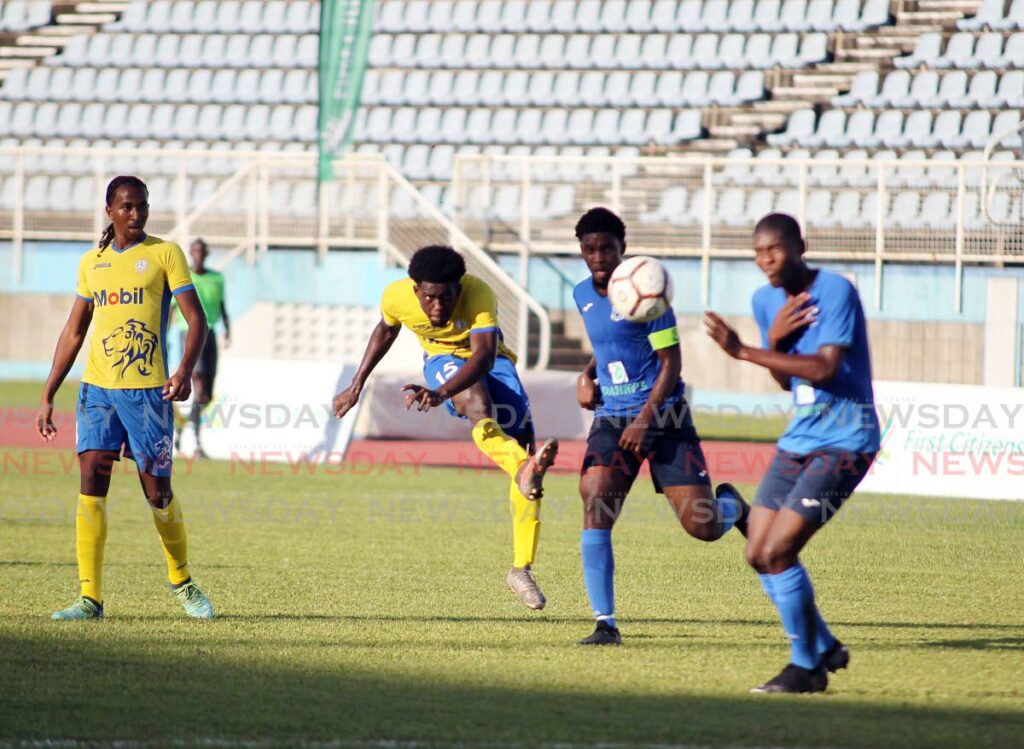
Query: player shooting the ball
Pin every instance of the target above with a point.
(470, 370)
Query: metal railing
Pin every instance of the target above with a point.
(868, 210)
(248, 202)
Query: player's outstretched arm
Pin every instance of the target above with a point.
(68, 345)
(381, 340)
(670, 360)
(815, 368)
(179, 385)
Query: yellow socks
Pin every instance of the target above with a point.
(90, 538)
(170, 524)
(498, 446)
(509, 455)
(525, 527)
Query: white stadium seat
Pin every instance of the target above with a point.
(534, 76)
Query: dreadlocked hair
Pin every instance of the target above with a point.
(108, 234)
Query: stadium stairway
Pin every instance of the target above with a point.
(33, 31)
(813, 87)
(568, 350)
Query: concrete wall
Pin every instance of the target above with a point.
(31, 325)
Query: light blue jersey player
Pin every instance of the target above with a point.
(633, 385)
(815, 344)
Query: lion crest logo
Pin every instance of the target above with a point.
(162, 448)
(135, 345)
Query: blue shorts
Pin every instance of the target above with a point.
(511, 404)
(814, 485)
(671, 448)
(138, 420)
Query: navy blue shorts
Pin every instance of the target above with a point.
(508, 396)
(671, 448)
(139, 420)
(814, 485)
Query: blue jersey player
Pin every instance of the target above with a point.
(640, 414)
(815, 344)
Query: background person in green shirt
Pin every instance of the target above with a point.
(209, 286)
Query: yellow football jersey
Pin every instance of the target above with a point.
(476, 311)
(131, 292)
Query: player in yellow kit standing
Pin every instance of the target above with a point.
(467, 367)
(125, 286)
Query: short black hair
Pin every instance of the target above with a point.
(600, 220)
(787, 227)
(436, 264)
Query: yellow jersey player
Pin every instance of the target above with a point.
(125, 286)
(470, 370)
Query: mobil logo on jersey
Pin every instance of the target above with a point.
(103, 297)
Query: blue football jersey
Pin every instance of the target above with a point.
(627, 362)
(839, 414)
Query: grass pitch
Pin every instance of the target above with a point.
(369, 607)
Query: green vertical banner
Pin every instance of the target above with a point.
(345, 30)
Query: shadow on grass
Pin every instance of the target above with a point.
(74, 685)
(981, 643)
(134, 565)
(588, 621)
(518, 617)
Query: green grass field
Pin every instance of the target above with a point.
(369, 607)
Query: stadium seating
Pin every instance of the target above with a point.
(891, 128)
(954, 91)
(466, 74)
(571, 77)
(22, 15)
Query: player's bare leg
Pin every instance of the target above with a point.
(703, 514)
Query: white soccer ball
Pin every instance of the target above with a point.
(640, 289)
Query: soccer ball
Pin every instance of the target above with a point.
(640, 289)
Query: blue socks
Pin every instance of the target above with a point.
(599, 572)
(729, 509)
(793, 595)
